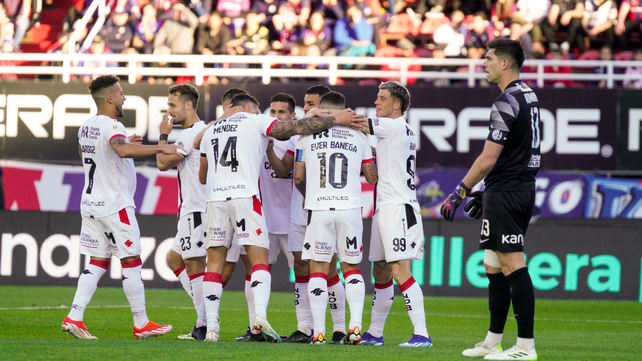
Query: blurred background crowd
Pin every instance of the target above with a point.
(549, 29)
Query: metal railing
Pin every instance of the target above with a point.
(332, 68)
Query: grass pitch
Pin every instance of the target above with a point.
(30, 319)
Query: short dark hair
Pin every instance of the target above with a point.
(100, 83)
(216, 13)
(230, 94)
(509, 49)
(333, 100)
(243, 99)
(285, 98)
(187, 92)
(399, 92)
(318, 90)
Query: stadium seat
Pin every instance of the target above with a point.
(399, 26)
(624, 55)
(386, 51)
(590, 55)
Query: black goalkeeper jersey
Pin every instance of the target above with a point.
(514, 123)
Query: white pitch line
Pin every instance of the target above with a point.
(62, 307)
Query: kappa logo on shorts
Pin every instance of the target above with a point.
(307, 246)
(128, 243)
(413, 245)
(212, 297)
(199, 244)
(317, 291)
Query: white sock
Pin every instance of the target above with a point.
(249, 297)
(492, 339)
(261, 285)
(526, 343)
(135, 291)
(196, 282)
(212, 292)
(302, 304)
(318, 293)
(337, 301)
(414, 298)
(355, 294)
(382, 298)
(87, 285)
(183, 278)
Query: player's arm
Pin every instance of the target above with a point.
(226, 114)
(286, 129)
(282, 166)
(483, 164)
(202, 171)
(299, 177)
(80, 151)
(127, 150)
(369, 170)
(164, 161)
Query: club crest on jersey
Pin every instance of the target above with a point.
(114, 127)
(497, 134)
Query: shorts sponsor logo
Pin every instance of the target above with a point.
(128, 243)
(535, 160)
(217, 232)
(513, 239)
(87, 241)
(258, 231)
(333, 198)
(323, 248)
(92, 203)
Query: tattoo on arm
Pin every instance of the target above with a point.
(118, 141)
(372, 169)
(300, 185)
(283, 130)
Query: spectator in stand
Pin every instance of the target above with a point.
(252, 39)
(75, 12)
(353, 34)
(475, 54)
(634, 78)
(375, 15)
(301, 8)
(118, 32)
(6, 27)
(528, 19)
(452, 36)
(146, 30)
(629, 20)
(436, 6)
(331, 9)
(286, 31)
(606, 54)
(177, 33)
(473, 6)
(232, 11)
(316, 38)
(599, 16)
(98, 46)
(557, 54)
(20, 12)
(565, 16)
(480, 34)
(500, 14)
(405, 49)
(202, 9)
(266, 10)
(213, 38)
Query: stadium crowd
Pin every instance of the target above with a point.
(549, 29)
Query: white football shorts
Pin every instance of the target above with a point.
(278, 243)
(397, 234)
(243, 216)
(189, 241)
(117, 234)
(296, 237)
(330, 231)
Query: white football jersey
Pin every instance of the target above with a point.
(333, 161)
(110, 181)
(298, 215)
(396, 162)
(276, 193)
(234, 148)
(192, 194)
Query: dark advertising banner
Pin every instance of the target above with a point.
(614, 198)
(40, 121)
(567, 259)
(630, 157)
(558, 195)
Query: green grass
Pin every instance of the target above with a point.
(30, 319)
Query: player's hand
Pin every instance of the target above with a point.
(173, 149)
(270, 145)
(450, 204)
(135, 139)
(166, 124)
(230, 111)
(349, 118)
(474, 207)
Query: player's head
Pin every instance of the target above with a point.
(106, 92)
(182, 101)
(312, 96)
(248, 103)
(282, 106)
(332, 100)
(504, 55)
(393, 100)
(229, 94)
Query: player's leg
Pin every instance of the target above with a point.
(349, 236)
(303, 333)
(414, 300)
(337, 302)
(318, 293)
(175, 263)
(384, 293)
(94, 245)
